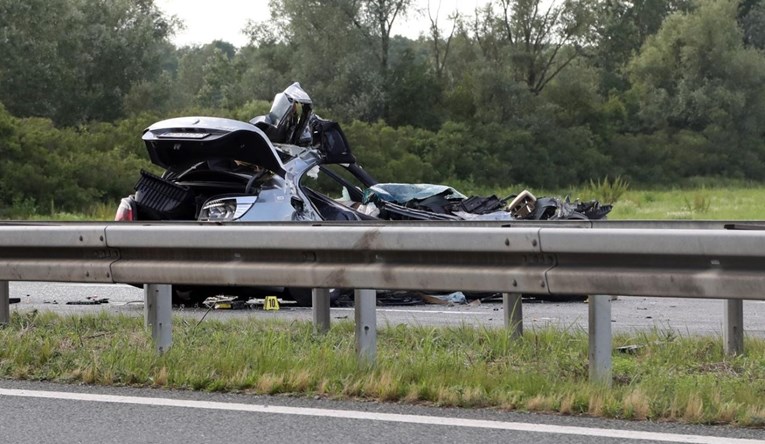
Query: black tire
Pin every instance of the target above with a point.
(189, 297)
(186, 296)
(302, 296)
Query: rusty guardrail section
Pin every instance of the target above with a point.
(582, 258)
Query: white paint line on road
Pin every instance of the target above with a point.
(388, 417)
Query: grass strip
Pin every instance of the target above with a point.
(665, 377)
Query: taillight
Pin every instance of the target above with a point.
(125, 211)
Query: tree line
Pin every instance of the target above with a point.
(541, 93)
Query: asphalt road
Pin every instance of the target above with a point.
(33, 412)
(684, 316)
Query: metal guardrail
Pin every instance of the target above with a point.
(594, 258)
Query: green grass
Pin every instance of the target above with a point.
(715, 203)
(669, 378)
(98, 212)
(700, 203)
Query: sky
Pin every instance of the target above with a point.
(206, 21)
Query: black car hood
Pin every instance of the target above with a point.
(183, 141)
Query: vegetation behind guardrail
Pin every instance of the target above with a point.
(629, 91)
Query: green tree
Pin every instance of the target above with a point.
(696, 74)
(440, 42)
(9, 149)
(751, 17)
(329, 53)
(218, 77)
(75, 60)
(621, 27)
(375, 20)
(414, 93)
(538, 39)
(334, 44)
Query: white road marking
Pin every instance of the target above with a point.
(389, 417)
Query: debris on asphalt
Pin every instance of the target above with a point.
(224, 303)
(430, 299)
(445, 299)
(90, 300)
(630, 349)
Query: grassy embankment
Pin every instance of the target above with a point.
(715, 203)
(669, 378)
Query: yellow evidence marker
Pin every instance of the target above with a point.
(271, 303)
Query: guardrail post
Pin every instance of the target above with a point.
(158, 314)
(320, 308)
(600, 339)
(365, 307)
(5, 302)
(513, 307)
(733, 333)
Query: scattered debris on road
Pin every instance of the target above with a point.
(90, 300)
(224, 303)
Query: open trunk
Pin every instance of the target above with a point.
(176, 144)
(204, 157)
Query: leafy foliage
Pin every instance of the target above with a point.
(546, 94)
(74, 60)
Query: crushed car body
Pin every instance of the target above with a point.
(439, 202)
(292, 165)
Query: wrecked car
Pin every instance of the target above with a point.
(438, 202)
(292, 165)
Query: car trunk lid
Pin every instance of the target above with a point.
(180, 142)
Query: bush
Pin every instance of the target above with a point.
(608, 191)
